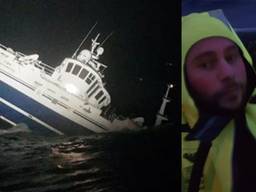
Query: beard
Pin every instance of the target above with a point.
(227, 101)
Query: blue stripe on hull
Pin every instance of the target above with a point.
(38, 110)
(17, 117)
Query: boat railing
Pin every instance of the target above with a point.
(4, 47)
(46, 68)
(39, 64)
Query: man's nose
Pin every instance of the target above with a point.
(225, 70)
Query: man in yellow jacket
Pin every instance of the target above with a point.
(219, 148)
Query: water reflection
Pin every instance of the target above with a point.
(122, 162)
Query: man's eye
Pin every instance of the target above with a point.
(205, 65)
(232, 58)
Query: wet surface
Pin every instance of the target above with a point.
(124, 161)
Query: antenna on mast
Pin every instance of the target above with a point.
(83, 40)
(106, 38)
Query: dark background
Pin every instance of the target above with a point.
(240, 13)
(142, 55)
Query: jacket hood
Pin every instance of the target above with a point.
(195, 27)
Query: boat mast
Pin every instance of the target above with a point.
(75, 53)
(109, 35)
(160, 116)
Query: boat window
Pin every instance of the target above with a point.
(83, 73)
(96, 88)
(70, 65)
(76, 69)
(92, 86)
(102, 99)
(90, 78)
(99, 94)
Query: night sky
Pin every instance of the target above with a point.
(138, 54)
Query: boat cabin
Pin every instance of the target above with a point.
(82, 80)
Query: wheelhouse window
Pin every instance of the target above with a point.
(69, 67)
(96, 88)
(90, 78)
(83, 73)
(102, 99)
(76, 69)
(92, 86)
(99, 95)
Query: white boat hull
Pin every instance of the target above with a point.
(20, 103)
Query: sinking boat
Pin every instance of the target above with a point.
(70, 99)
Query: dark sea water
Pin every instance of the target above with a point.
(144, 160)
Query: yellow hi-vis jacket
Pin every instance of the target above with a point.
(217, 172)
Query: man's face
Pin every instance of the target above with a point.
(216, 74)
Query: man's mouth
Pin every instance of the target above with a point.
(232, 92)
(232, 88)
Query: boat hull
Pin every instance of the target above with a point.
(19, 108)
